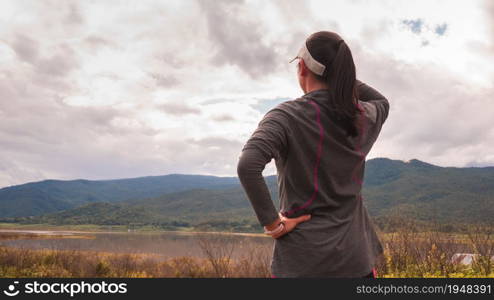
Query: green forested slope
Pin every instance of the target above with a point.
(415, 189)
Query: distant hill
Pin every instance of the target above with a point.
(219, 208)
(36, 198)
(415, 188)
(427, 192)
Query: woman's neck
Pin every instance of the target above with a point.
(311, 84)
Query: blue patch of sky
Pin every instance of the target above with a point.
(441, 29)
(414, 25)
(264, 105)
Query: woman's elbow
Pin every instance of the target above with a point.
(241, 167)
(250, 164)
(244, 166)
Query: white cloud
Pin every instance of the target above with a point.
(124, 88)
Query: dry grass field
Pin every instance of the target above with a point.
(408, 253)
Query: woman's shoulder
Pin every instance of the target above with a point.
(291, 106)
(289, 112)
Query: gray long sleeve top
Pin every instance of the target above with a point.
(320, 172)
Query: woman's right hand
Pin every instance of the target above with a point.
(290, 224)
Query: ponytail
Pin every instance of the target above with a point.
(340, 75)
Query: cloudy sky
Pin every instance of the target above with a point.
(118, 89)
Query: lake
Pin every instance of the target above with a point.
(162, 244)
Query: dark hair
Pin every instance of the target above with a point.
(331, 50)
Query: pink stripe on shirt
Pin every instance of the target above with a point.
(316, 166)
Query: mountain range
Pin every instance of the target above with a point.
(36, 198)
(414, 189)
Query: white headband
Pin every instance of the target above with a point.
(309, 61)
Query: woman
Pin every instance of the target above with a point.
(319, 142)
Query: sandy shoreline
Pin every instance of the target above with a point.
(72, 232)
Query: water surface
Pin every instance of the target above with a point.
(164, 244)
